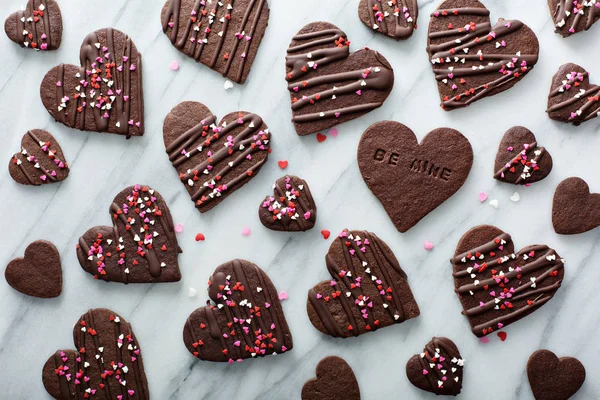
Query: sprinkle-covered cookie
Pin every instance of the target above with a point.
(573, 98)
(438, 369)
(214, 159)
(572, 16)
(139, 247)
(104, 94)
(472, 59)
(107, 364)
(38, 273)
(394, 18)
(244, 318)
(368, 290)
(520, 159)
(40, 161)
(411, 179)
(553, 378)
(574, 209)
(328, 85)
(38, 26)
(497, 286)
(290, 208)
(335, 381)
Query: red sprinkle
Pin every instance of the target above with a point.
(325, 234)
(282, 164)
(200, 237)
(502, 336)
(321, 138)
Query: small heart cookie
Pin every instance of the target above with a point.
(574, 209)
(38, 27)
(291, 208)
(553, 378)
(38, 273)
(394, 18)
(335, 381)
(571, 16)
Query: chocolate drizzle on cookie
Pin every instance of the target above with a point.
(40, 160)
(368, 289)
(290, 208)
(468, 52)
(523, 165)
(572, 97)
(497, 286)
(572, 16)
(244, 319)
(442, 365)
(227, 28)
(32, 26)
(107, 363)
(394, 18)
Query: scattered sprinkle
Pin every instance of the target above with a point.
(494, 203)
(482, 197)
(200, 237)
(283, 296)
(515, 197)
(484, 339)
(228, 85)
(428, 245)
(502, 336)
(192, 292)
(321, 138)
(332, 132)
(179, 228)
(325, 234)
(246, 231)
(282, 164)
(174, 66)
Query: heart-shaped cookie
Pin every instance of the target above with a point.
(139, 247)
(38, 27)
(394, 18)
(572, 97)
(222, 35)
(244, 319)
(574, 208)
(327, 84)
(105, 93)
(335, 381)
(497, 286)
(438, 369)
(520, 160)
(214, 160)
(368, 289)
(411, 179)
(291, 207)
(40, 161)
(553, 378)
(572, 16)
(38, 273)
(470, 58)
(107, 364)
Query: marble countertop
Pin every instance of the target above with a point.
(101, 165)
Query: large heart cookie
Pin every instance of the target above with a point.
(520, 159)
(553, 378)
(368, 290)
(38, 273)
(574, 208)
(394, 18)
(497, 286)
(223, 35)
(470, 58)
(291, 208)
(40, 161)
(244, 319)
(107, 364)
(335, 381)
(438, 369)
(327, 84)
(38, 27)
(412, 179)
(572, 97)
(572, 16)
(214, 159)
(139, 247)
(104, 94)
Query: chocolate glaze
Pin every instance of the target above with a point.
(585, 101)
(290, 208)
(524, 156)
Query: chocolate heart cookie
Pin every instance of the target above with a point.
(40, 161)
(572, 97)
(412, 179)
(38, 27)
(222, 35)
(553, 378)
(105, 93)
(291, 207)
(243, 320)
(471, 59)
(497, 286)
(38, 273)
(327, 84)
(572, 16)
(368, 289)
(574, 208)
(139, 247)
(214, 159)
(438, 369)
(520, 160)
(335, 381)
(394, 18)
(106, 365)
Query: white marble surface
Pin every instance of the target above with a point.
(101, 165)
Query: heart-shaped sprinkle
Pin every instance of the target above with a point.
(174, 66)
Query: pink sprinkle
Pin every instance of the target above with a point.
(484, 339)
(333, 132)
(283, 296)
(246, 231)
(59, 83)
(359, 92)
(174, 66)
(482, 197)
(428, 245)
(179, 228)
